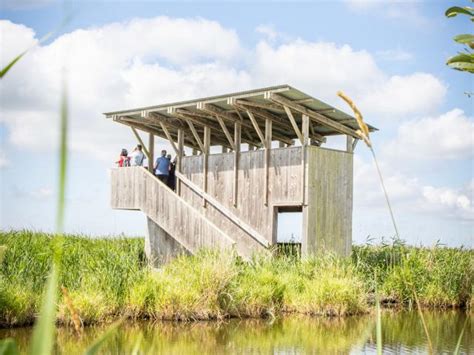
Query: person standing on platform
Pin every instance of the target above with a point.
(171, 176)
(162, 167)
(137, 157)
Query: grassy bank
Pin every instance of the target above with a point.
(109, 278)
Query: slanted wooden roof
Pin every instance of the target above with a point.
(283, 105)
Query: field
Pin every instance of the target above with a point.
(106, 279)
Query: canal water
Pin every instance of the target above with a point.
(402, 332)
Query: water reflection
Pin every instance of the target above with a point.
(402, 332)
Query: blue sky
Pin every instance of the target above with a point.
(389, 56)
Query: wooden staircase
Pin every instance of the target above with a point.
(135, 188)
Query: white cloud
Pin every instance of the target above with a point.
(402, 95)
(42, 193)
(4, 162)
(409, 194)
(448, 136)
(158, 60)
(268, 31)
(394, 55)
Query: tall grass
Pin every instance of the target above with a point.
(107, 279)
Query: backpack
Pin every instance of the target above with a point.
(126, 161)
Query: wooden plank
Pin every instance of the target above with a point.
(237, 138)
(224, 211)
(226, 131)
(170, 139)
(136, 188)
(268, 147)
(179, 157)
(354, 144)
(315, 116)
(280, 126)
(294, 124)
(195, 134)
(151, 152)
(139, 139)
(205, 158)
(304, 143)
(214, 110)
(256, 127)
(349, 144)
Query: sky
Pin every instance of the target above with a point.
(388, 56)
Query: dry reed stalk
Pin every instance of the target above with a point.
(425, 327)
(363, 132)
(76, 320)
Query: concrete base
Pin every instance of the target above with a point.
(160, 247)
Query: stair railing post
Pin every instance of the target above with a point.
(180, 158)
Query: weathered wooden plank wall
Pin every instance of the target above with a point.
(285, 186)
(327, 209)
(327, 217)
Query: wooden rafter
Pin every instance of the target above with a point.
(313, 115)
(170, 139)
(280, 126)
(294, 124)
(214, 110)
(256, 127)
(139, 139)
(195, 134)
(226, 131)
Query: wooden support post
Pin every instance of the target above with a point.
(256, 127)
(170, 139)
(294, 124)
(151, 152)
(205, 157)
(139, 139)
(179, 160)
(195, 134)
(237, 139)
(268, 147)
(304, 152)
(349, 144)
(226, 131)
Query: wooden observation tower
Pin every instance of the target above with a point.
(271, 160)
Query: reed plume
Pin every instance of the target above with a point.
(363, 133)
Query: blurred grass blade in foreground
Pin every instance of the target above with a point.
(7, 68)
(44, 330)
(63, 150)
(8, 347)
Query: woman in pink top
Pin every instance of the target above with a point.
(124, 160)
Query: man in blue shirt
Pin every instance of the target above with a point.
(162, 167)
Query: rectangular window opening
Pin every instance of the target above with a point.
(289, 230)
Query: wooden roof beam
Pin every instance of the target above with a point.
(265, 106)
(197, 118)
(277, 135)
(315, 116)
(282, 123)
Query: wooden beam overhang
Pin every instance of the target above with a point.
(315, 116)
(214, 110)
(140, 141)
(280, 124)
(153, 128)
(200, 120)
